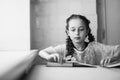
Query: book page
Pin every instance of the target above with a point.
(54, 64)
(115, 65)
(69, 64)
(78, 64)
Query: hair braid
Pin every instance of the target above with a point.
(69, 47)
(90, 36)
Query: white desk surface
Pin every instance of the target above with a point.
(41, 72)
(14, 63)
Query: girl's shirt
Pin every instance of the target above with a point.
(93, 53)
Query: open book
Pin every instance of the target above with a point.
(69, 64)
(114, 65)
(78, 64)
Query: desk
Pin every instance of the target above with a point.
(14, 63)
(41, 72)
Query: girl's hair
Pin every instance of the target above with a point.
(69, 43)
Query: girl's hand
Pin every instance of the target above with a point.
(68, 58)
(53, 57)
(105, 61)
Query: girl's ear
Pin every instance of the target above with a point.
(67, 32)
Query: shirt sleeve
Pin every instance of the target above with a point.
(50, 50)
(60, 49)
(105, 50)
(116, 55)
(110, 51)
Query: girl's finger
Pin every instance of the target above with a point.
(102, 62)
(55, 57)
(105, 62)
(109, 59)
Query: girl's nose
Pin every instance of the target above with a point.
(77, 32)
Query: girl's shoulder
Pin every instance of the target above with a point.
(98, 45)
(95, 45)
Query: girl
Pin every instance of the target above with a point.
(78, 49)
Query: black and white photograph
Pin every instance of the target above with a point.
(59, 40)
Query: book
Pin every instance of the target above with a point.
(113, 65)
(54, 64)
(78, 64)
(69, 64)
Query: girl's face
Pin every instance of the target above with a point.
(77, 30)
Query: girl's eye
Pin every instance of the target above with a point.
(81, 29)
(73, 29)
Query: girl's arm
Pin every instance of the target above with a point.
(114, 58)
(54, 54)
(54, 57)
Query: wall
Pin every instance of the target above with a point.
(108, 21)
(48, 19)
(113, 21)
(101, 16)
(14, 25)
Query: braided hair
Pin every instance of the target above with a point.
(69, 43)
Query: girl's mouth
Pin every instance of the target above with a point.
(77, 37)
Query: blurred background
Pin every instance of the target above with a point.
(48, 20)
(37, 24)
